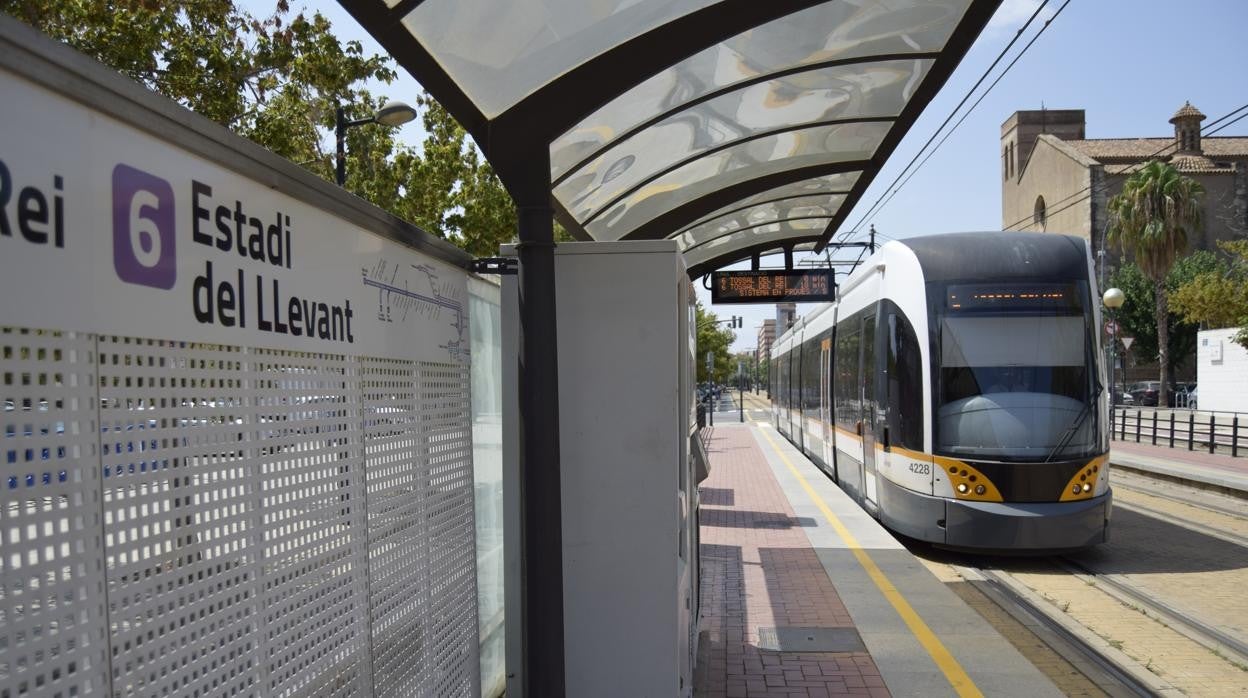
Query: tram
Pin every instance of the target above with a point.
(955, 389)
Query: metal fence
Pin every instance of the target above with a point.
(1214, 432)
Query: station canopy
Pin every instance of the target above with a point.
(735, 127)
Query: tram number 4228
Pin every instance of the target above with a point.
(921, 468)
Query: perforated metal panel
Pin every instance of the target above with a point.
(445, 424)
(308, 425)
(179, 499)
(206, 520)
(52, 606)
(398, 548)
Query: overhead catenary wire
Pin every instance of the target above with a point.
(967, 113)
(1209, 129)
(881, 200)
(1085, 193)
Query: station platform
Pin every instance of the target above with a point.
(804, 594)
(1199, 468)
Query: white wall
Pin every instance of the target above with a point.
(1221, 371)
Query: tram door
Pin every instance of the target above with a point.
(825, 401)
(866, 377)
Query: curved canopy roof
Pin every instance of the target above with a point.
(736, 127)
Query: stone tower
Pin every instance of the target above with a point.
(1187, 129)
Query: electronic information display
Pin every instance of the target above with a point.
(777, 286)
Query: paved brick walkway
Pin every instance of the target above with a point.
(1181, 456)
(759, 571)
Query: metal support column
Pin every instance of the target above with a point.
(541, 535)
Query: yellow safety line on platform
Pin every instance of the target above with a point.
(949, 666)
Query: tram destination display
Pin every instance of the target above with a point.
(776, 286)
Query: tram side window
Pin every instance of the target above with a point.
(773, 377)
(810, 377)
(869, 369)
(782, 389)
(845, 383)
(905, 385)
(795, 378)
(786, 365)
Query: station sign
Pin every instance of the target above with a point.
(773, 286)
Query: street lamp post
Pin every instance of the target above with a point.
(1113, 299)
(394, 113)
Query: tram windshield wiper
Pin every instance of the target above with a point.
(1074, 427)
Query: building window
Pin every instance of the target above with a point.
(1005, 162)
(1039, 214)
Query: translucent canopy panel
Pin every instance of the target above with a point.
(777, 233)
(826, 33)
(500, 52)
(717, 123)
(818, 206)
(831, 184)
(840, 94)
(736, 164)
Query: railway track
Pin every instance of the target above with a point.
(1134, 484)
(1030, 591)
(1186, 623)
(1033, 589)
(1100, 663)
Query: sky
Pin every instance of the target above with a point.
(1130, 64)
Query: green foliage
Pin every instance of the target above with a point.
(714, 339)
(753, 370)
(1152, 216)
(277, 80)
(1138, 315)
(1150, 220)
(1219, 297)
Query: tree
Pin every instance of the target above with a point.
(713, 339)
(1138, 316)
(277, 80)
(1150, 221)
(1219, 297)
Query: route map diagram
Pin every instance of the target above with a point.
(409, 291)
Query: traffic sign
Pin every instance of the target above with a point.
(1126, 342)
(1111, 327)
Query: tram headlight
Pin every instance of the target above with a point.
(1087, 487)
(962, 488)
(1075, 488)
(980, 490)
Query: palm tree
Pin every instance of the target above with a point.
(1150, 221)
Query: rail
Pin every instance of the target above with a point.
(1216, 432)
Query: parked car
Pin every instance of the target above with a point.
(1145, 392)
(1181, 396)
(1122, 397)
(1191, 397)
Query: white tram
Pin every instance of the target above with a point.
(955, 390)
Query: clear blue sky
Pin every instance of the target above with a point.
(1128, 63)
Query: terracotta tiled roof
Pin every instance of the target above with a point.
(1109, 150)
(1187, 110)
(1197, 163)
(1191, 164)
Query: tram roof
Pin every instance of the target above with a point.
(736, 127)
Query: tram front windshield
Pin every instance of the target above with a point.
(1015, 371)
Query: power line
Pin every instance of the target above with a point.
(973, 106)
(879, 202)
(1086, 193)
